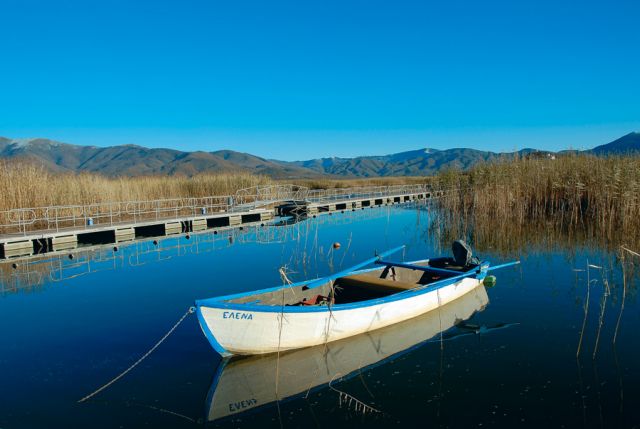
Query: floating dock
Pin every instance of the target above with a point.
(35, 231)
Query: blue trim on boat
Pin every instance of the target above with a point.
(207, 333)
(479, 274)
(208, 301)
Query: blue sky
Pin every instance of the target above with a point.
(305, 79)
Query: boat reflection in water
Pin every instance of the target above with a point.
(247, 383)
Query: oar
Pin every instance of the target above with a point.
(439, 270)
(508, 264)
(342, 273)
(463, 275)
(417, 267)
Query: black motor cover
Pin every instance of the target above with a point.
(462, 254)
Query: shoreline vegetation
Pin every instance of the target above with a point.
(32, 185)
(574, 199)
(578, 196)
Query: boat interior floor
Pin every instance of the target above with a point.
(385, 281)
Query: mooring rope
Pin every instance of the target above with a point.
(122, 374)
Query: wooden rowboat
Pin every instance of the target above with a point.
(247, 384)
(347, 303)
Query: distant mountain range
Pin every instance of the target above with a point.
(629, 143)
(132, 160)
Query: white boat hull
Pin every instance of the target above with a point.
(246, 332)
(249, 383)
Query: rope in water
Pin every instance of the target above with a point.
(122, 374)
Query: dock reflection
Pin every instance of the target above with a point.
(30, 273)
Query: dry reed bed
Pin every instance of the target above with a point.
(32, 185)
(322, 183)
(576, 196)
(29, 185)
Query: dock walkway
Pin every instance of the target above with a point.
(30, 231)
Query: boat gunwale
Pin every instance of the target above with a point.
(292, 285)
(311, 284)
(221, 302)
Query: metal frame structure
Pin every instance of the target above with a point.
(33, 220)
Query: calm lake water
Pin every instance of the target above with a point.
(69, 325)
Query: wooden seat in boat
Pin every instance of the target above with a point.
(374, 284)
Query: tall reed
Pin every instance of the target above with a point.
(31, 185)
(573, 195)
(330, 183)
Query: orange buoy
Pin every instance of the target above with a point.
(336, 245)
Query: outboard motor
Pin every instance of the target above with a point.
(462, 254)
